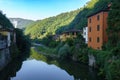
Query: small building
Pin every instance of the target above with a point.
(56, 37)
(85, 34)
(70, 33)
(97, 24)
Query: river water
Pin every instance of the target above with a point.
(39, 67)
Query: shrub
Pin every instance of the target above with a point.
(58, 47)
(113, 70)
(64, 51)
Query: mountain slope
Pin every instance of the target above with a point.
(70, 20)
(43, 27)
(20, 23)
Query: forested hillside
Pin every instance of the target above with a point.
(21, 23)
(5, 21)
(70, 20)
(50, 25)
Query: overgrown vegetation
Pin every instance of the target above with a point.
(41, 28)
(23, 42)
(4, 21)
(72, 48)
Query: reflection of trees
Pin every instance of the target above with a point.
(11, 69)
(79, 71)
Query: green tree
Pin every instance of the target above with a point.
(114, 24)
(4, 21)
(22, 41)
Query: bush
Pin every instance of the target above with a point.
(83, 55)
(22, 41)
(58, 47)
(14, 51)
(53, 44)
(70, 41)
(113, 70)
(64, 51)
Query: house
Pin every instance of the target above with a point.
(6, 37)
(85, 34)
(56, 37)
(97, 24)
(69, 34)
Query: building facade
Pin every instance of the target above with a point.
(97, 24)
(70, 34)
(6, 37)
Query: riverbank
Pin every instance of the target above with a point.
(45, 51)
(105, 61)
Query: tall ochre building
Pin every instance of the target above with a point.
(97, 24)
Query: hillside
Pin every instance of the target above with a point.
(20, 23)
(4, 21)
(43, 27)
(70, 20)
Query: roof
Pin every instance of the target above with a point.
(97, 13)
(72, 31)
(103, 10)
(6, 29)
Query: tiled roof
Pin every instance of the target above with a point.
(97, 13)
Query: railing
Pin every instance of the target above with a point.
(3, 44)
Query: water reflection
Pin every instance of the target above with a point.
(4, 57)
(79, 71)
(11, 69)
(39, 67)
(39, 70)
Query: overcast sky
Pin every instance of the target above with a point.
(38, 9)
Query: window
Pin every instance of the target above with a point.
(98, 47)
(72, 33)
(98, 39)
(98, 17)
(98, 27)
(90, 29)
(67, 33)
(90, 39)
(90, 20)
(84, 33)
(76, 33)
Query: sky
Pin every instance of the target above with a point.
(38, 9)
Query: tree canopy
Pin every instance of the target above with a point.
(4, 21)
(114, 24)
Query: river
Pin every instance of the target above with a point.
(40, 67)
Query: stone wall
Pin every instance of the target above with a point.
(92, 61)
(4, 57)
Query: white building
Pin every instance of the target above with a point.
(85, 34)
